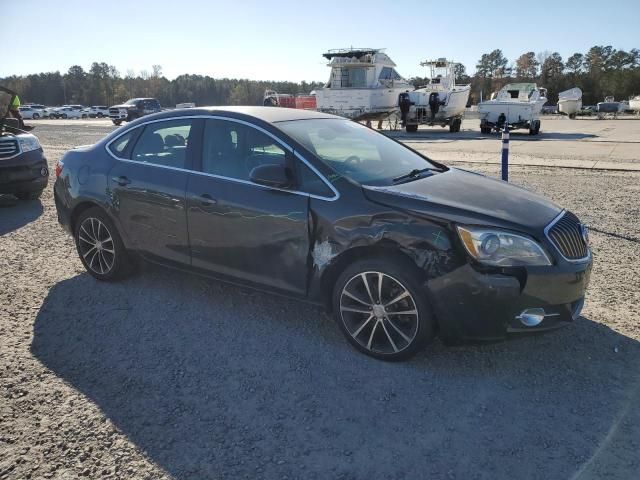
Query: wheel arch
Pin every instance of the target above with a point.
(338, 264)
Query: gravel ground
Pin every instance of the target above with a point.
(167, 375)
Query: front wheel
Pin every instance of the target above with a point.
(100, 247)
(117, 122)
(99, 115)
(64, 116)
(36, 116)
(382, 310)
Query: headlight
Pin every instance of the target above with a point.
(28, 142)
(500, 248)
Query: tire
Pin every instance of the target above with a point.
(64, 116)
(84, 115)
(538, 123)
(370, 327)
(411, 128)
(99, 115)
(100, 247)
(485, 130)
(117, 122)
(36, 116)
(29, 195)
(454, 127)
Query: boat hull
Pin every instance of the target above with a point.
(515, 112)
(569, 107)
(454, 106)
(359, 103)
(634, 104)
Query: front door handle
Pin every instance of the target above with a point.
(122, 181)
(206, 199)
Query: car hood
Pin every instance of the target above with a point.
(469, 198)
(122, 106)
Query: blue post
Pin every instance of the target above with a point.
(505, 152)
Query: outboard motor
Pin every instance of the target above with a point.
(404, 102)
(501, 119)
(434, 104)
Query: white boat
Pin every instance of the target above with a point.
(364, 85)
(440, 102)
(634, 104)
(516, 104)
(570, 102)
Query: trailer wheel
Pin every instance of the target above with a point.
(534, 128)
(411, 128)
(455, 125)
(485, 129)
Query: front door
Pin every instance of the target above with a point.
(237, 228)
(148, 191)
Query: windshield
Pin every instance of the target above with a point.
(133, 101)
(355, 151)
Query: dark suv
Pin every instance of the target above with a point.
(23, 167)
(132, 109)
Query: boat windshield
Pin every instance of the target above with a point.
(357, 152)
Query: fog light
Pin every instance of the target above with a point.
(532, 316)
(44, 172)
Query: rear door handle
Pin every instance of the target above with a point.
(122, 181)
(206, 199)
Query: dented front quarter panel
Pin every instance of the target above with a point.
(364, 225)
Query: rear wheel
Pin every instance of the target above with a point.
(64, 116)
(382, 310)
(36, 116)
(29, 195)
(117, 122)
(100, 247)
(411, 128)
(99, 115)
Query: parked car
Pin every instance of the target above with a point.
(23, 166)
(587, 111)
(97, 111)
(30, 113)
(132, 109)
(68, 112)
(401, 248)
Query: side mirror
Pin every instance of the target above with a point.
(271, 175)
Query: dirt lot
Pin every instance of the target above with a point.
(167, 375)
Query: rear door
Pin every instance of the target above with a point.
(148, 188)
(240, 229)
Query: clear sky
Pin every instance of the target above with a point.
(284, 40)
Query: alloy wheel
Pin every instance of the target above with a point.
(379, 312)
(96, 245)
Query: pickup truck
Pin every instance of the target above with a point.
(132, 109)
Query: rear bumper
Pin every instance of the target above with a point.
(28, 172)
(471, 305)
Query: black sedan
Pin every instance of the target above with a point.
(399, 247)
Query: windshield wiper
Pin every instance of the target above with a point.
(415, 173)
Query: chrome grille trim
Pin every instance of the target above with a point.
(9, 148)
(565, 234)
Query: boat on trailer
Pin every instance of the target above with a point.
(634, 104)
(363, 86)
(440, 102)
(608, 108)
(570, 102)
(516, 104)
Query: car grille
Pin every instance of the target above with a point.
(9, 148)
(114, 111)
(566, 234)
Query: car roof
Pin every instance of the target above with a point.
(266, 114)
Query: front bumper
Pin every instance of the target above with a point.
(474, 305)
(28, 172)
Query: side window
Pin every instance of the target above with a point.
(310, 182)
(120, 144)
(231, 149)
(385, 73)
(164, 143)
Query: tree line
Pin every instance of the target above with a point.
(602, 71)
(103, 85)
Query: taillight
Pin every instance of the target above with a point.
(59, 167)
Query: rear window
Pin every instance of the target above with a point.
(119, 146)
(164, 144)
